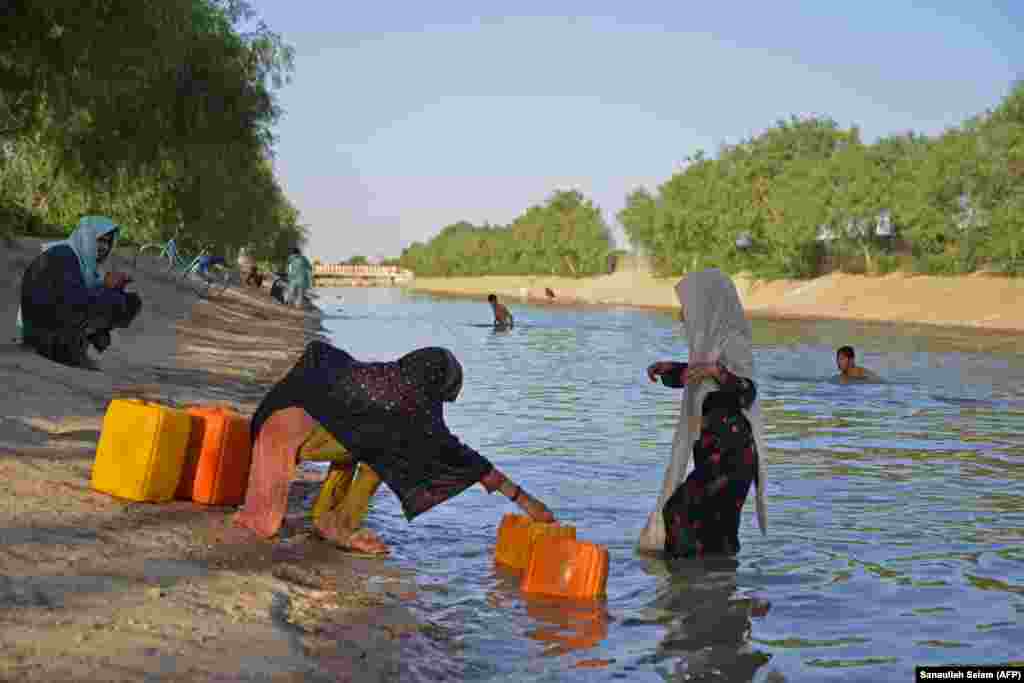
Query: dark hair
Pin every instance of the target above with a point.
(294, 250)
(845, 351)
(492, 298)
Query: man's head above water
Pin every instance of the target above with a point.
(845, 359)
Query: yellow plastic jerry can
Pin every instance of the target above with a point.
(142, 451)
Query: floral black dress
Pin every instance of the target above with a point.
(703, 515)
(389, 416)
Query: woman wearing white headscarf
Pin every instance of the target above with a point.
(66, 303)
(719, 425)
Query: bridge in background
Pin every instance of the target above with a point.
(360, 276)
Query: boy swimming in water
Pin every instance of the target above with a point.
(848, 369)
(502, 317)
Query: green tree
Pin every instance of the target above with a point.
(157, 113)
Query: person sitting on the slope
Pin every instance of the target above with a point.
(66, 304)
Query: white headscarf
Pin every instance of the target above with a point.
(717, 330)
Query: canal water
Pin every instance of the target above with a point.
(896, 510)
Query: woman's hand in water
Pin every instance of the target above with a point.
(655, 370)
(537, 510)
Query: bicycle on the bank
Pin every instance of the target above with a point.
(197, 272)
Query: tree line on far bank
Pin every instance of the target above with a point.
(566, 235)
(157, 113)
(802, 198)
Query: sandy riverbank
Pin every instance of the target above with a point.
(96, 589)
(978, 301)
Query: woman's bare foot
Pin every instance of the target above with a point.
(361, 540)
(264, 514)
(365, 541)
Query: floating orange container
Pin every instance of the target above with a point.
(566, 568)
(517, 535)
(216, 468)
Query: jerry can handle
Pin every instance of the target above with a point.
(144, 402)
(211, 407)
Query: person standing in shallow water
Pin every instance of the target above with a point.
(703, 515)
(389, 419)
(502, 316)
(720, 427)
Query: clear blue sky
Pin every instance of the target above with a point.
(405, 117)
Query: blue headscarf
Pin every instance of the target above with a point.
(83, 242)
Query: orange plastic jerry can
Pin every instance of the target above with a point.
(142, 450)
(566, 568)
(216, 469)
(517, 535)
